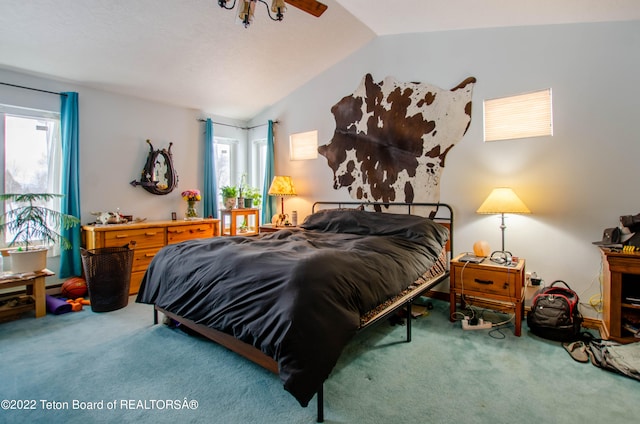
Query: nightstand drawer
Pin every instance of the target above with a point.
(486, 280)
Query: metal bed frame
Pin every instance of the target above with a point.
(257, 356)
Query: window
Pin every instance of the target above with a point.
(258, 163)
(225, 158)
(30, 152)
(303, 146)
(521, 116)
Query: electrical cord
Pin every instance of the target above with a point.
(475, 313)
(596, 300)
(462, 279)
(457, 314)
(496, 333)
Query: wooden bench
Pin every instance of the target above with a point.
(34, 283)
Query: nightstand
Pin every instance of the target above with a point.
(270, 228)
(490, 281)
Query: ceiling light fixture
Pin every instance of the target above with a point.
(246, 9)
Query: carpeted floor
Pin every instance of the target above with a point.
(55, 369)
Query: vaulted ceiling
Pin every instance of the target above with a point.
(194, 54)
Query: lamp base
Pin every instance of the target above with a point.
(503, 257)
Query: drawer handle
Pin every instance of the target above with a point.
(149, 255)
(121, 236)
(487, 282)
(150, 234)
(178, 231)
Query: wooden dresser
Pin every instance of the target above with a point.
(146, 238)
(621, 295)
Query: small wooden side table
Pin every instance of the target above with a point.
(34, 282)
(488, 280)
(239, 221)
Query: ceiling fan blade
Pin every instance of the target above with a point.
(310, 6)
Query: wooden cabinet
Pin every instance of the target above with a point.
(243, 222)
(146, 238)
(487, 280)
(621, 289)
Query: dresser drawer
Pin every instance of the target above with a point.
(138, 239)
(142, 258)
(136, 280)
(486, 280)
(178, 233)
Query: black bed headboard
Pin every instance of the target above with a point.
(439, 212)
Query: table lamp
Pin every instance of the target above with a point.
(502, 200)
(281, 186)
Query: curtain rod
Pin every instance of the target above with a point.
(235, 126)
(33, 89)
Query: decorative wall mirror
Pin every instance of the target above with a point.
(158, 175)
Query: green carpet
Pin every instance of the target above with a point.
(132, 371)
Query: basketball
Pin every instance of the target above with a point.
(74, 287)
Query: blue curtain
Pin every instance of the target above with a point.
(210, 192)
(268, 208)
(70, 261)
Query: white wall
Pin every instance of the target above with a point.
(113, 149)
(576, 183)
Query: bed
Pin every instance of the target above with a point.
(292, 299)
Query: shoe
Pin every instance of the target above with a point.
(577, 350)
(592, 358)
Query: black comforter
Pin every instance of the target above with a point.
(297, 295)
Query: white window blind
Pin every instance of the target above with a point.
(521, 116)
(303, 146)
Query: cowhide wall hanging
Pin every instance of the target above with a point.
(391, 138)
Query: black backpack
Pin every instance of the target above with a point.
(554, 313)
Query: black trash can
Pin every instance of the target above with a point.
(108, 273)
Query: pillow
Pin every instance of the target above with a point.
(361, 222)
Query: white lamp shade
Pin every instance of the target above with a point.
(502, 200)
(282, 186)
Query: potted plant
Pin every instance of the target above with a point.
(242, 193)
(250, 195)
(229, 195)
(253, 195)
(30, 221)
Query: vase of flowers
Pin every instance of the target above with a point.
(191, 196)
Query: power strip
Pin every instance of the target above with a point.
(481, 325)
